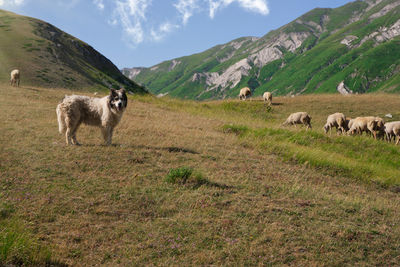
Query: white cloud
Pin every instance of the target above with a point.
(11, 2)
(186, 8)
(131, 14)
(163, 30)
(258, 6)
(65, 4)
(99, 4)
(137, 26)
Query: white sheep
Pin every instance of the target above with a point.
(349, 123)
(396, 132)
(299, 118)
(244, 92)
(15, 78)
(337, 120)
(389, 126)
(369, 124)
(267, 96)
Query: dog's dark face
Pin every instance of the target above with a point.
(118, 100)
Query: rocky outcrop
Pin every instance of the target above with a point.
(383, 34)
(132, 73)
(271, 51)
(260, 57)
(342, 88)
(229, 78)
(174, 63)
(348, 40)
(384, 10)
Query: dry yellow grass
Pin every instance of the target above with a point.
(94, 205)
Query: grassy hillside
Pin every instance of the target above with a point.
(318, 65)
(188, 183)
(49, 57)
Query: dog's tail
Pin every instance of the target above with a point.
(61, 120)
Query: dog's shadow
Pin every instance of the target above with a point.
(171, 149)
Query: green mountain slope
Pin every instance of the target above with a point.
(353, 48)
(49, 57)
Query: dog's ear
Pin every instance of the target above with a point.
(124, 98)
(113, 92)
(122, 90)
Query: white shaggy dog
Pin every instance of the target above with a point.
(103, 112)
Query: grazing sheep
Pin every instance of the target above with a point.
(337, 120)
(15, 78)
(359, 125)
(396, 132)
(369, 124)
(377, 127)
(244, 92)
(267, 96)
(349, 122)
(389, 133)
(299, 118)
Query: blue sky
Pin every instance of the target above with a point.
(133, 33)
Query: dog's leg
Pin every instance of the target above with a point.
(104, 131)
(74, 140)
(73, 135)
(68, 136)
(70, 132)
(107, 135)
(110, 134)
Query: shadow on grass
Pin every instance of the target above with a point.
(180, 149)
(171, 149)
(214, 184)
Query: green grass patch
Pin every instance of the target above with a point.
(188, 177)
(239, 130)
(17, 245)
(359, 157)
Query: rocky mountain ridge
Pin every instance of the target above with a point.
(325, 36)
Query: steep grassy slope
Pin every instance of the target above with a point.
(49, 57)
(253, 198)
(357, 44)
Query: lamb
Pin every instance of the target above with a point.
(299, 118)
(244, 92)
(369, 124)
(267, 96)
(389, 127)
(337, 120)
(15, 78)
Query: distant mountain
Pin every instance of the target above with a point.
(49, 57)
(353, 48)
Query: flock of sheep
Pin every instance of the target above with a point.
(374, 126)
